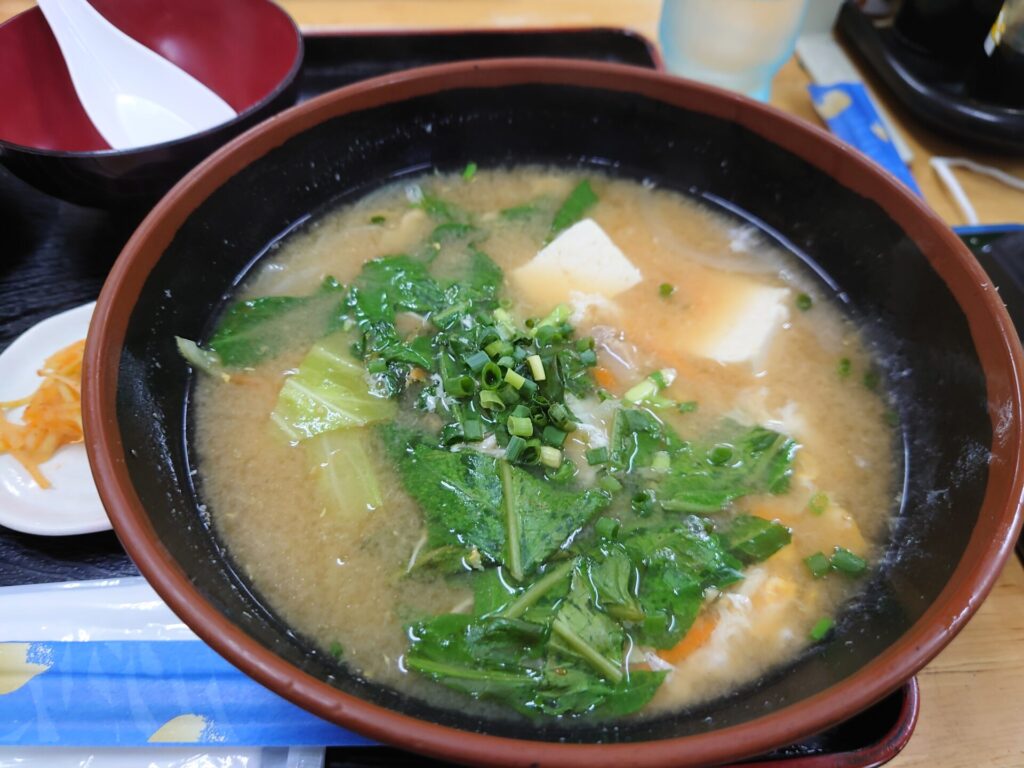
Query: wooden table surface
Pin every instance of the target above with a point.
(972, 694)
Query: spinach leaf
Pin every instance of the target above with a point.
(752, 539)
(742, 461)
(460, 494)
(393, 284)
(637, 434)
(246, 333)
(573, 208)
(615, 580)
(442, 210)
(544, 517)
(570, 663)
(583, 634)
(489, 657)
(473, 501)
(676, 564)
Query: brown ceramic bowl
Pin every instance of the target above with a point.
(951, 357)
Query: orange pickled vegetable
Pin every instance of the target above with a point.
(52, 416)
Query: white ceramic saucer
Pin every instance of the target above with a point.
(71, 505)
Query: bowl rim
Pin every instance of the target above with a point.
(282, 85)
(992, 333)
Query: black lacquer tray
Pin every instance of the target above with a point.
(937, 96)
(55, 256)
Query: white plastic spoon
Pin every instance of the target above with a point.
(133, 96)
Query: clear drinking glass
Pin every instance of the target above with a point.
(735, 44)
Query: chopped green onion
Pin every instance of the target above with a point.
(844, 561)
(658, 377)
(610, 484)
(539, 417)
(477, 360)
(529, 387)
(607, 527)
(472, 427)
(498, 348)
(563, 474)
(337, 650)
(545, 334)
(821, 628)
(818, 503)
(469, 172)
(504, 322)
(519, 426)
(377, 219)
(892, 418)
(661, 461)
(515, 379)
(376, 366)
(720, 454)
(491, 400)
(460, 386)
(451, 434)
(803, 302)
(582, 345)
(506, 361)
(844, 368)
(640, 392)
(818, 565)
(597, 456)
(872, 380)
(531, 452)
(490, 376)
(550, 457)
(553, 436)
(687, 407)
(559, 415)
(514, 448)
(509, 394)
(588, 358)
(666, 290)
(536, 367)
(522, 411)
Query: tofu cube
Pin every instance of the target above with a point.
(581, 260)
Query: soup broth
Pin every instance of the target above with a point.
(720, 473)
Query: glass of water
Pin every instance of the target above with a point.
(734, 44)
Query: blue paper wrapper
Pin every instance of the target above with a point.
(850, 114)
(132, 693)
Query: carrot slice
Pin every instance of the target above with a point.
(605, 378)
(699, 634)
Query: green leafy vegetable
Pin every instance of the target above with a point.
(567, 659)
(202, 359)
(341, 463)
(252, 330)
(573, 208)
(753, 539)
(329, 391)
(741, 461)
(471, 500)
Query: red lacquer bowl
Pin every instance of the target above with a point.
(248, 51)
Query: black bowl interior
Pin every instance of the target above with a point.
(864, 256)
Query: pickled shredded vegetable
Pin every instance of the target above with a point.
(53, 413)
